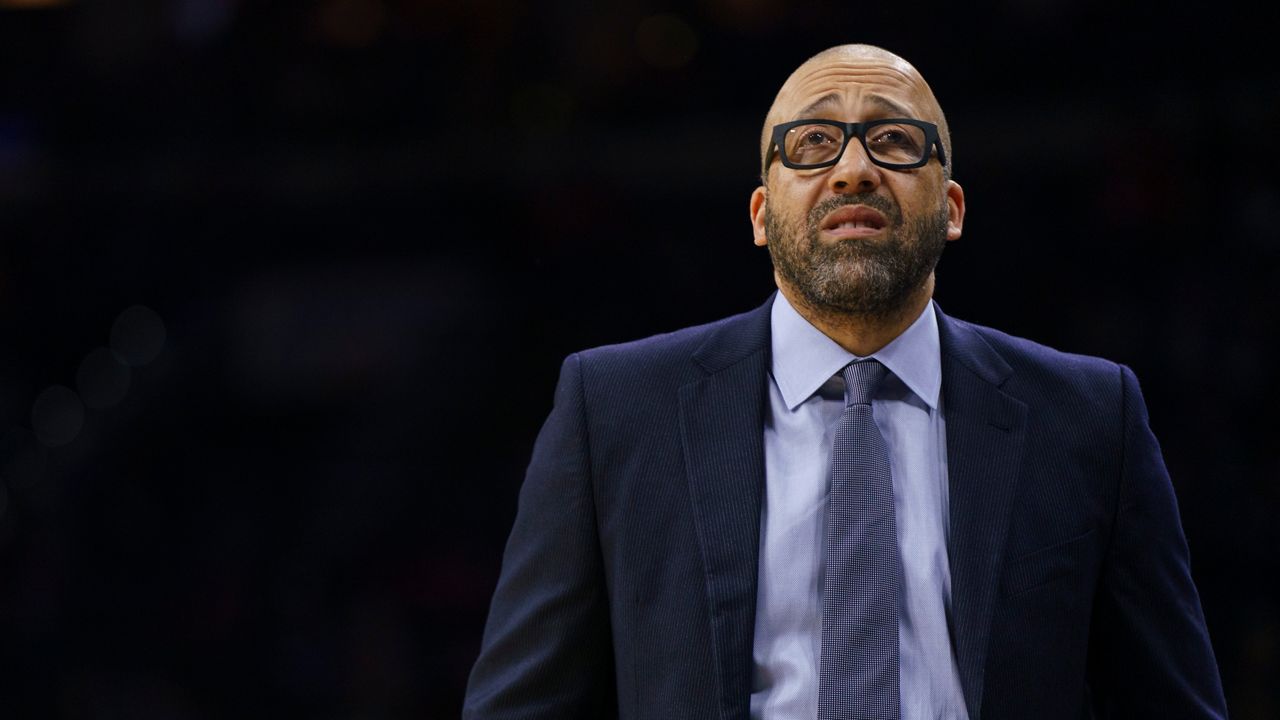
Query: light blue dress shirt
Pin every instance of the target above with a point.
(806, 397)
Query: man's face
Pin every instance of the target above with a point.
(856, 238)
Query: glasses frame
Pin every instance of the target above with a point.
(858, 130)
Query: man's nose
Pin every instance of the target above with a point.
(855, 173)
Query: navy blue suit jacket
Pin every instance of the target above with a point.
(628, 587)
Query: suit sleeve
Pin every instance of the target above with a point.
(547, 650)
(1150, 655)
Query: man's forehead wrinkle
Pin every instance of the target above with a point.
(837, 77)
(828, 100)
(834, 101)
(903, 75)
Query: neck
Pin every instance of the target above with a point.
(861, 334)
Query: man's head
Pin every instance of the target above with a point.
(856, 238)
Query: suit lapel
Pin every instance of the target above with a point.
(985, 434)
(722, 426)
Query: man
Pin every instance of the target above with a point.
(846, 504)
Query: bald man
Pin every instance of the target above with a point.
(846, 504)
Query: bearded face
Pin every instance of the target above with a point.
(870, 277)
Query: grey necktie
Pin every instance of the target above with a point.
(858, 668)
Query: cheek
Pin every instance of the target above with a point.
(923, 196)
(796, 199)
(777, 205)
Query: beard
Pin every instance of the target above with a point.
(873, 278)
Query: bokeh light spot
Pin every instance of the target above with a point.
(666, 41)
(32, 4)
(102, 379)
(57, 415)
(542, 107)
(351, 23)
(137, 336)
(199, 21)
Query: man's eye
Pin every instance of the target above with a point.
(892, 137)
(813, 138)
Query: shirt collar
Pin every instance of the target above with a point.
(804, 358)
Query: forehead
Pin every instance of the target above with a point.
(854, 85)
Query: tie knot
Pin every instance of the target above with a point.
(861, 379)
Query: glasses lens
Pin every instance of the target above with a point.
(813, 144)
(896, 143)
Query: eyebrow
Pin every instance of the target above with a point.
(832, 99)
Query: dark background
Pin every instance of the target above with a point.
(284, 288)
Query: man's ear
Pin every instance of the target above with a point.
(757, 215)
(955, 210)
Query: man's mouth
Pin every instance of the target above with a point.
(853, 221)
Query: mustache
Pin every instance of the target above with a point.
(877, 202)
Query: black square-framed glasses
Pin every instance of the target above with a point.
(894, 143)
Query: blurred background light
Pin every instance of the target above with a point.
(198, 22)
(32, 4)
(350, 23)
(542, 108)
(102, 379)
(666, 41)
(57, 415)
(137, 335)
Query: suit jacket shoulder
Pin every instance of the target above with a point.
(1027, 357)
(717, 343)
(1081, 391)
(645, 369)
